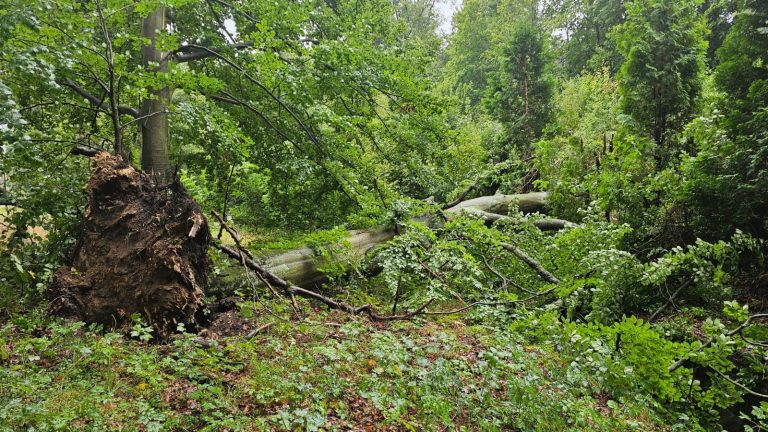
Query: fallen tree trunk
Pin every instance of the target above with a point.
(548, 224)
(246, 259)
(300, 266)
(527, 203)
(290, 289)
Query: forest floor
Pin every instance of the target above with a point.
(328, 372)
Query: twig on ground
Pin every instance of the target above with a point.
(258, 330)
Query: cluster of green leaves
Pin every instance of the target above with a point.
(660, 80)
(631, 360)
(581, 141)
(725, 178)
(310, 113)
(421, 264)
(405, 377)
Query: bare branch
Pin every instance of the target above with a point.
(258, 330)
(84, 151)
(669, 300)
(464, 193)
(112, 88)
(739, 385)
(484, 303)
(140, 118)
(291, 289)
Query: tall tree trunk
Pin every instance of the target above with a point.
(155, 136)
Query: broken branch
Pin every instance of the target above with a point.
(737, 330)
(532, 263)
(291, 289)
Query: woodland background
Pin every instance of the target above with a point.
(630, 297)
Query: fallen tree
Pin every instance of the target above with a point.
(144, 250)
(275, 283)
(300, 266)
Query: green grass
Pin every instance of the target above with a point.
(346, 375)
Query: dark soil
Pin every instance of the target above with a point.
(143, 250)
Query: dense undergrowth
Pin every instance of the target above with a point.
(330, 373)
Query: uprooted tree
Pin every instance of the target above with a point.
(215, 72)
(144, 248)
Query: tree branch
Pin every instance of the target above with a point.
(739, 385)
(669, 300)
(548, 224)
(464, 193)
(738, 330)
(114, 109)
(188, 53)
(484, 303)
(291, 289)
(532, 263)
(84, 151)
(98, 103)
(266, 90)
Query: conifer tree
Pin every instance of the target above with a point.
(520, 91)
(661, 78)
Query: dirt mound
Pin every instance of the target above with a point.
(143, 249)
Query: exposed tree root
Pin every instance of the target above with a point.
(144, 249)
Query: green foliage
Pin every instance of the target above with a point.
(468, 70)
(585, 122)
(725, 179)
(723, 182)
(420, 265)
(756, 418)
(333, 250)
(625, 357)
(663, 45)
(586, 26)
(697, 275)
(407, 376)
(720, 16)
(742, 73)
(139, 329)
(519, 92)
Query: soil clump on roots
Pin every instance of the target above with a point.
(143, 249)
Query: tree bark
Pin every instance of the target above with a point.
(299, 266)
(155, 135)
(500, 204)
